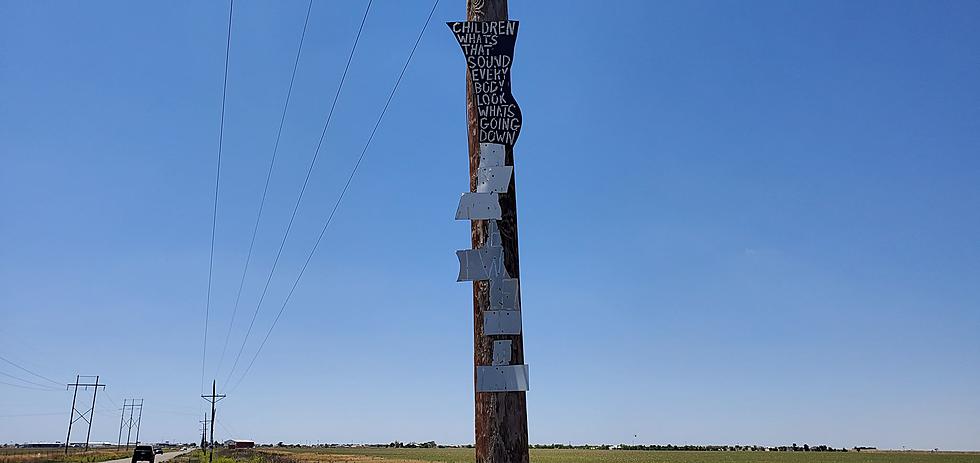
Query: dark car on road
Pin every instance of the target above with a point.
(157, 450)
(143, 453)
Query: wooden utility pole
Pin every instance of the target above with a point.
(204, 432)
(501, 417)
(214, 397)
(213, 400)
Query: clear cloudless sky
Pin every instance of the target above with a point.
(741, 222)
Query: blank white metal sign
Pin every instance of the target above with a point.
(501, 352)
(501, 378)
(501, 322)
(491, 154)
(493, 179)
(478, 206)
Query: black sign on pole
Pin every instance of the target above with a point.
(489, 50)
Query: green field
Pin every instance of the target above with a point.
(454, 455)
(625, 456)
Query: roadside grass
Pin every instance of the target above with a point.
(465, 455)
(58, 456)
(193, 456)
(220, 456)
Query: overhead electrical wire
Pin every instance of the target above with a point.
(302, 192)
(33, 388)
(226, 428)
(35, 383)
(171, 412)
(13, 415)
(217, 179)
(31, 372)
(265, 189)
(105, 412)
(107, 396)
(343, 192)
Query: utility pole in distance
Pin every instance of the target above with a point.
(122, 418)
(131, 405)
(87, 415)
(204, 431)
(139, 420)
(213, 398)
(493, 122)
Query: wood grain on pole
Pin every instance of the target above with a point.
(501, 417)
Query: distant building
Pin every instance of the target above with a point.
(239, 444)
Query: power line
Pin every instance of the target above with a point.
(106, 393)
(31, 372)
(217, 178)
(45, 386)
(302, 191)
(172, 412)
(16, 415)
(343, 192)
(227, 429)
(265, 189)
(28, 387)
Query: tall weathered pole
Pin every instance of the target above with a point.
(493, 122)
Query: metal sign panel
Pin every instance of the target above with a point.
(493, 234)
(503, 294)
(493, 179)
(501, 322)
(489, 50)
(501, 352)
(478, 206)
(485, 263)
(501, 378)
(492, 154)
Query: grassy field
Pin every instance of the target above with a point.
(386, 455)
(600, 456)
(11, 455)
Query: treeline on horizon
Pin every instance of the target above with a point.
(710, 448)
(655, 447)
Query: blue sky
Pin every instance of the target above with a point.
(740, 222)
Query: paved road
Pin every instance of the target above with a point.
(160, 458)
